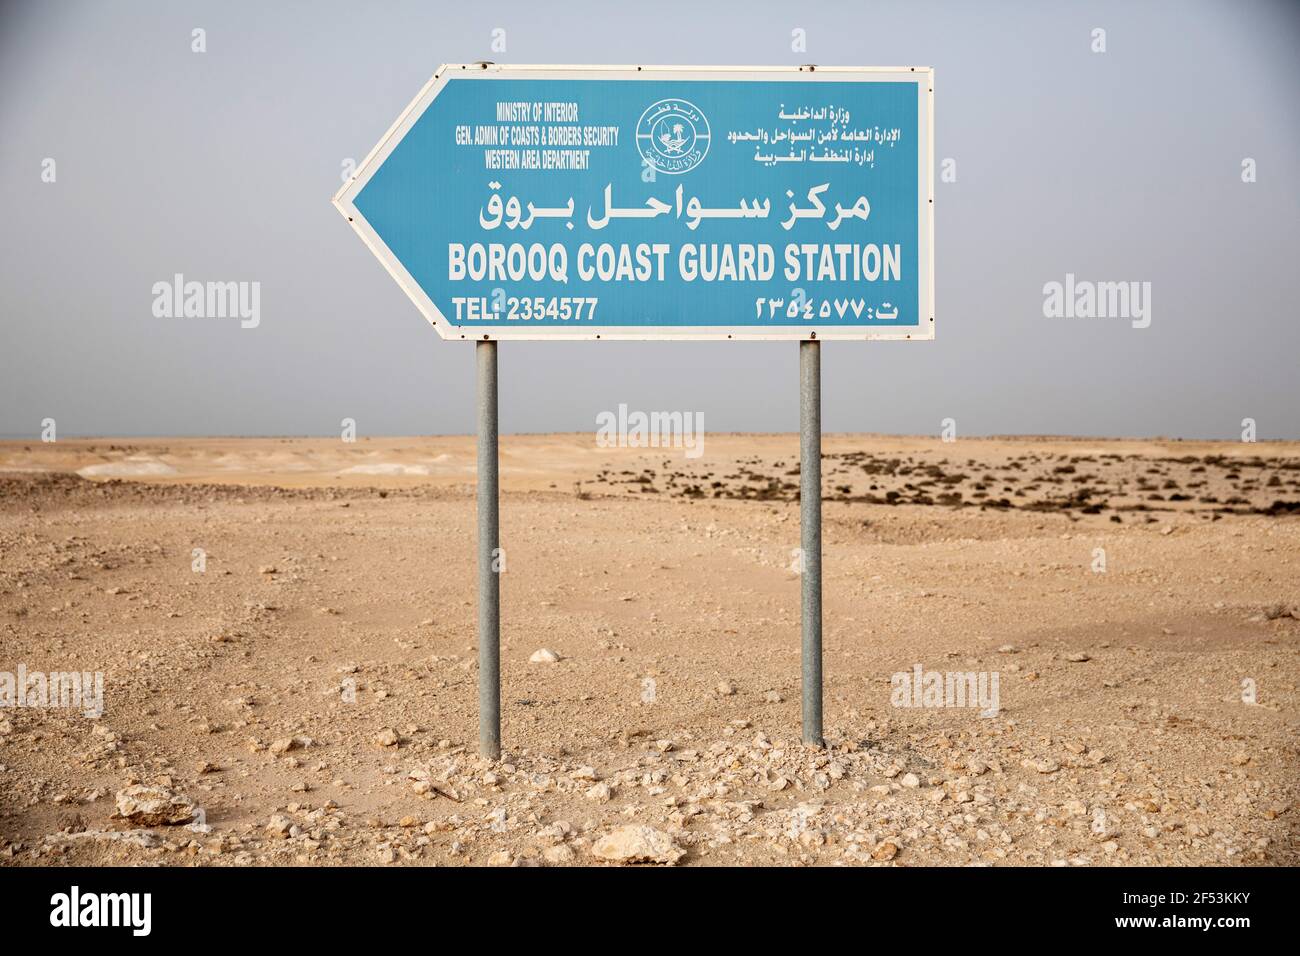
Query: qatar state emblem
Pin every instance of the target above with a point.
(673, 136)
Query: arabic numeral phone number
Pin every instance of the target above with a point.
(556, 308)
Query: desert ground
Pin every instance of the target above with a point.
(302, 687)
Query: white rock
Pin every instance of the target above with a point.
(637, 844)
(561, 853)
(147, 806)
(1042, 766)
(544, 656)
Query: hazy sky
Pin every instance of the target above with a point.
(1123, 165)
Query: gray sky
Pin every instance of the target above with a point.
(1124, 165)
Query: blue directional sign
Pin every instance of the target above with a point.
(561, 202)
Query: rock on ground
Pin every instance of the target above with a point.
(637, 844)
(145, 806)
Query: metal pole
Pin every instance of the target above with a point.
(810, 520)
(489, 589)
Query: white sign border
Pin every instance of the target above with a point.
(344, 201)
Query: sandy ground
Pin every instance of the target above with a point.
(306, 692)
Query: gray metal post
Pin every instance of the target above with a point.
(489, 589)
(810, 520)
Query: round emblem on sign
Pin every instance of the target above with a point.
(673, 136)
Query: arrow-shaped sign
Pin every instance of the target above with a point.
(563, 202)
